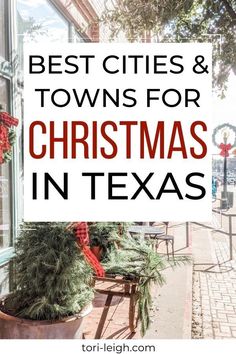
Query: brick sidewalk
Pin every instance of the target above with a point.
(214, 295)
(170, 315)
(114, 326)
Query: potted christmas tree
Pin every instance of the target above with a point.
(52, 285)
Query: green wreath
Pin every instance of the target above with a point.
(225, 125)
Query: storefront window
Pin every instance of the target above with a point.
(5, 184)
(39, 22)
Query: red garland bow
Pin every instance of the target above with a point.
(82, 236)
(225, 149)
(6, 121)
(4, 142)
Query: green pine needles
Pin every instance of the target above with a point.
(100, 234)
(52, 278)
(136, 258)
(7, 155)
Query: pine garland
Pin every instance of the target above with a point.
(7, 155)
(100, 234)
(52, 278)
(136, 259)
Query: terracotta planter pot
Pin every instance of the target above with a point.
(18, 328)
(97, 251)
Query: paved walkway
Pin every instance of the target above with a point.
(112, 323)
(214, 294)
(170, 315)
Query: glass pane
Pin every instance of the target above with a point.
(5, 185)
(3, 29)
(39, 22)
(4, 280)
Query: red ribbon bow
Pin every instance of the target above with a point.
(82, 236)
(8, 120)
(225, 149)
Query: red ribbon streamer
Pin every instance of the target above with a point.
(225, 149)
(82, 236)
(81, 233)
(4, 142)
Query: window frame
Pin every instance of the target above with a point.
(9, 74)
(7, 253)
(6, 22)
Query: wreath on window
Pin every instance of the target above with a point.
(7, 136)
(224, 147)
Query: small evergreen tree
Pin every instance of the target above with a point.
(52, 277)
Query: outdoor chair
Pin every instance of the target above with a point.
(158, 233)
(167, 239)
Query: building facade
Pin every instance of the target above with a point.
(25, 21)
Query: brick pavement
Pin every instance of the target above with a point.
(166, 321)
(214, 296)
(116, 324)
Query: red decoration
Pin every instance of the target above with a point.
(82, 236)
(6, 122)
(4, 142)
(225, 149)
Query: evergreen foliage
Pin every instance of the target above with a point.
(100, 234)
(136, 259)
(52, 278)
(7, 155)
